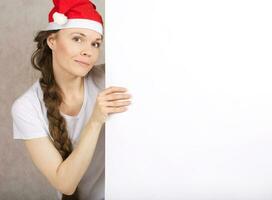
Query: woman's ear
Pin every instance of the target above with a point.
(51, 41)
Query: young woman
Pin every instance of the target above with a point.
(61, 116)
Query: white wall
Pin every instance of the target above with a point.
(200, 123)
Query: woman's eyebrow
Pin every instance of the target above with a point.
(84, 35)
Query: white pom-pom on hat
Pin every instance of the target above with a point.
(59, 18)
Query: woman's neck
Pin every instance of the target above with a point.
(71, 86)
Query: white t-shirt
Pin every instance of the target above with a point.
(30, 121)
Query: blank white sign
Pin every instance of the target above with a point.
(200, 123)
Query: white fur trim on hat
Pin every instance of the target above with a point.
(59, 18)
(77, 23)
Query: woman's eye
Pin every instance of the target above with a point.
(77, 39)
(96, 44)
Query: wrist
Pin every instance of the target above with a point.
(95, 123)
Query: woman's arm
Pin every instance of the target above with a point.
(65, 175)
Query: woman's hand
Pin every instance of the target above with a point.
(110, 100)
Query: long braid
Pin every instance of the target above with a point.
(41, 60)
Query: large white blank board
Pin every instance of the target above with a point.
(200, 123)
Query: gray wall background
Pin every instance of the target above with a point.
(20, 20)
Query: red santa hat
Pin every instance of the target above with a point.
(74, 14)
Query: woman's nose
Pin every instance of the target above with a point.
(87, 52)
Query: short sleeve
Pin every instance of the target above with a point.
(26, 120)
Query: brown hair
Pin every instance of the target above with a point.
(41, 60)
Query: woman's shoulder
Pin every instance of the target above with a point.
(99, 67)
(97, 74)
(26, 115)
(26, 100)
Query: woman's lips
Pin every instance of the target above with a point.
(82, 63)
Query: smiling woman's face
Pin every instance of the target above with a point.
(74, 50)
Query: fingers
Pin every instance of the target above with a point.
(113, 89)
(114, 93)
(117, 103)
(116, 109)
(113, 100)
(113, 96)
